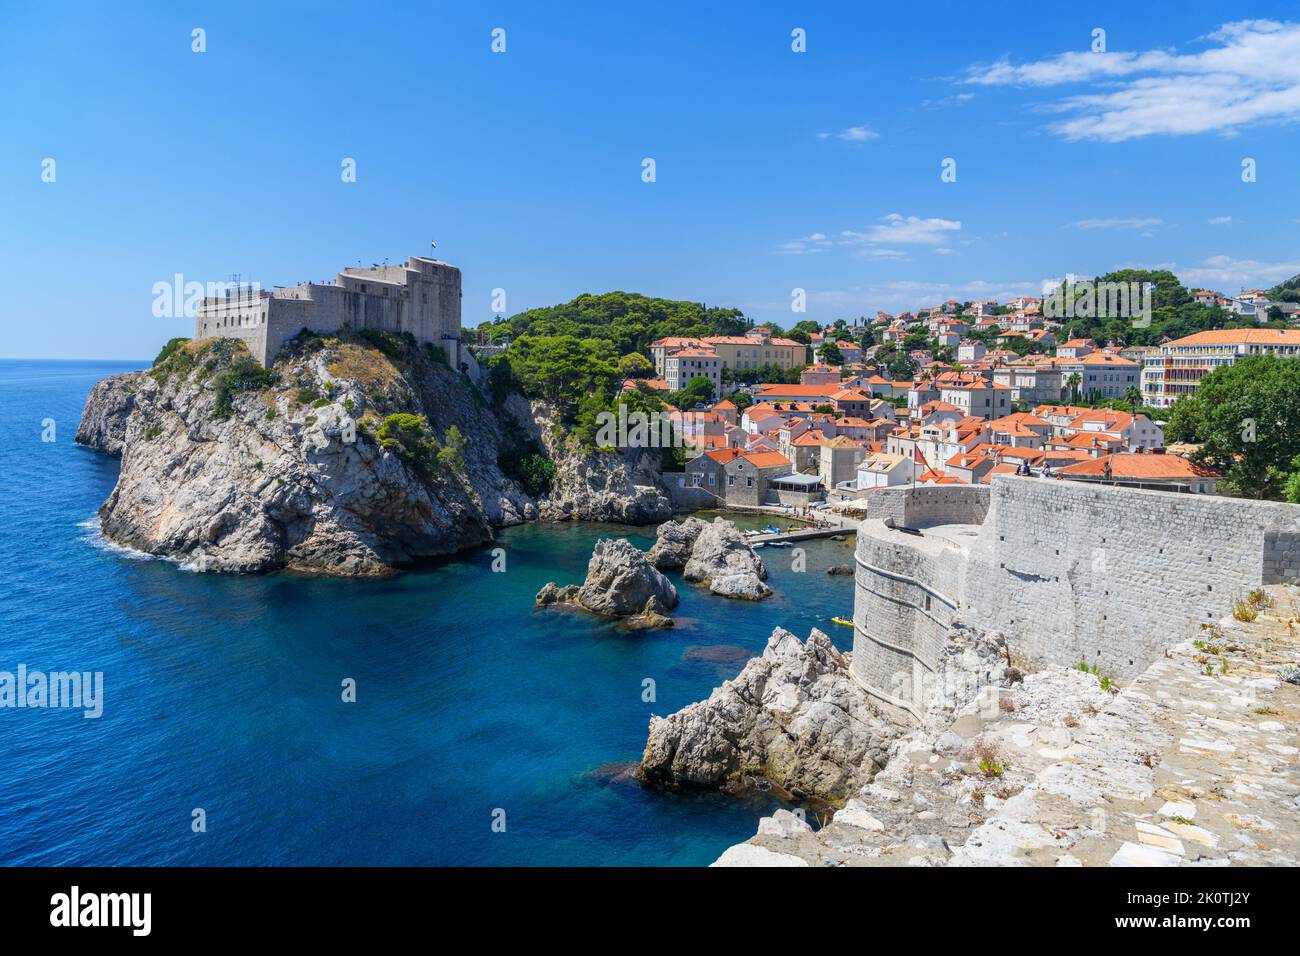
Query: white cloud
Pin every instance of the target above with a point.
(854, 134)
(907, 230)
(909, 294)
(946, 101)
(1228, 274)
(1219, 220)
(1250, 77)
(1143, 224)
(816, 242)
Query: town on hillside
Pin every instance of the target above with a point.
(949, 394)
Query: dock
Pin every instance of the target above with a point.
(802, 534)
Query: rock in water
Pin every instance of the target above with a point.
(675, 539)
(550, 594)
(652, 616)
(620, 583)
(620, 580)
(793, 715)
(722, 559)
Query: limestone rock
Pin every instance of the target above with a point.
(839, 569)
(793, 715)
(674, 542)
(109, 405)
(747, 854)
(783, 824)
(723, 560)
(620, 580)
(277, 479)
(615, 486)
(651, 616)
(551, 594)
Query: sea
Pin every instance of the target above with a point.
(429, 718)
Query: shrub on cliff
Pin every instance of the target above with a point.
(243, 375)
(408, 437)
(532, 471)
(452, 456)
(168, 350)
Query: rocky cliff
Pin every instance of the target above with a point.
(103, 423)
(616, 486)
(233, 468)
(350, 456)
(793, 716)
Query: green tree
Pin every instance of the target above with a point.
(636, 365)
(1073, 382)
(1246, 416)
(452, 455)
(563, 368)
(1292, 490)
(408, 437)
(830, 353)
(698, 391)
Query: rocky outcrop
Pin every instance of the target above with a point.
(230, 470)
(109, 405)
(674, 542)
(793, 716)
(723, 560)
(620, 582)
(615, 486)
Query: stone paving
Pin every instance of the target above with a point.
(1196, 762)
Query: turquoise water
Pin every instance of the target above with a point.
(223, 693)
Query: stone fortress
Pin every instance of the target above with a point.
(421, 296)
(1067, 572)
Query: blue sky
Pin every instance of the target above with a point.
(775, 170)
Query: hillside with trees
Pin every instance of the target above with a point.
(578, 354)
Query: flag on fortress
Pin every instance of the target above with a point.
(433, 243)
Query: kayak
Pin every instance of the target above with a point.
(840, 620)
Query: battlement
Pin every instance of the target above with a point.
(1067, 572)
(421, 296)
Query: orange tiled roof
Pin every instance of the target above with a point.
(1241, 337)
(1128, 465)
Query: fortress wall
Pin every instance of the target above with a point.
(909, 507)
(1066, 570)
(423, 298)
(1114, 575)
(907, 598)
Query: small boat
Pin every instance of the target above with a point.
(840, 620)
(771, 529)
(779, 544)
